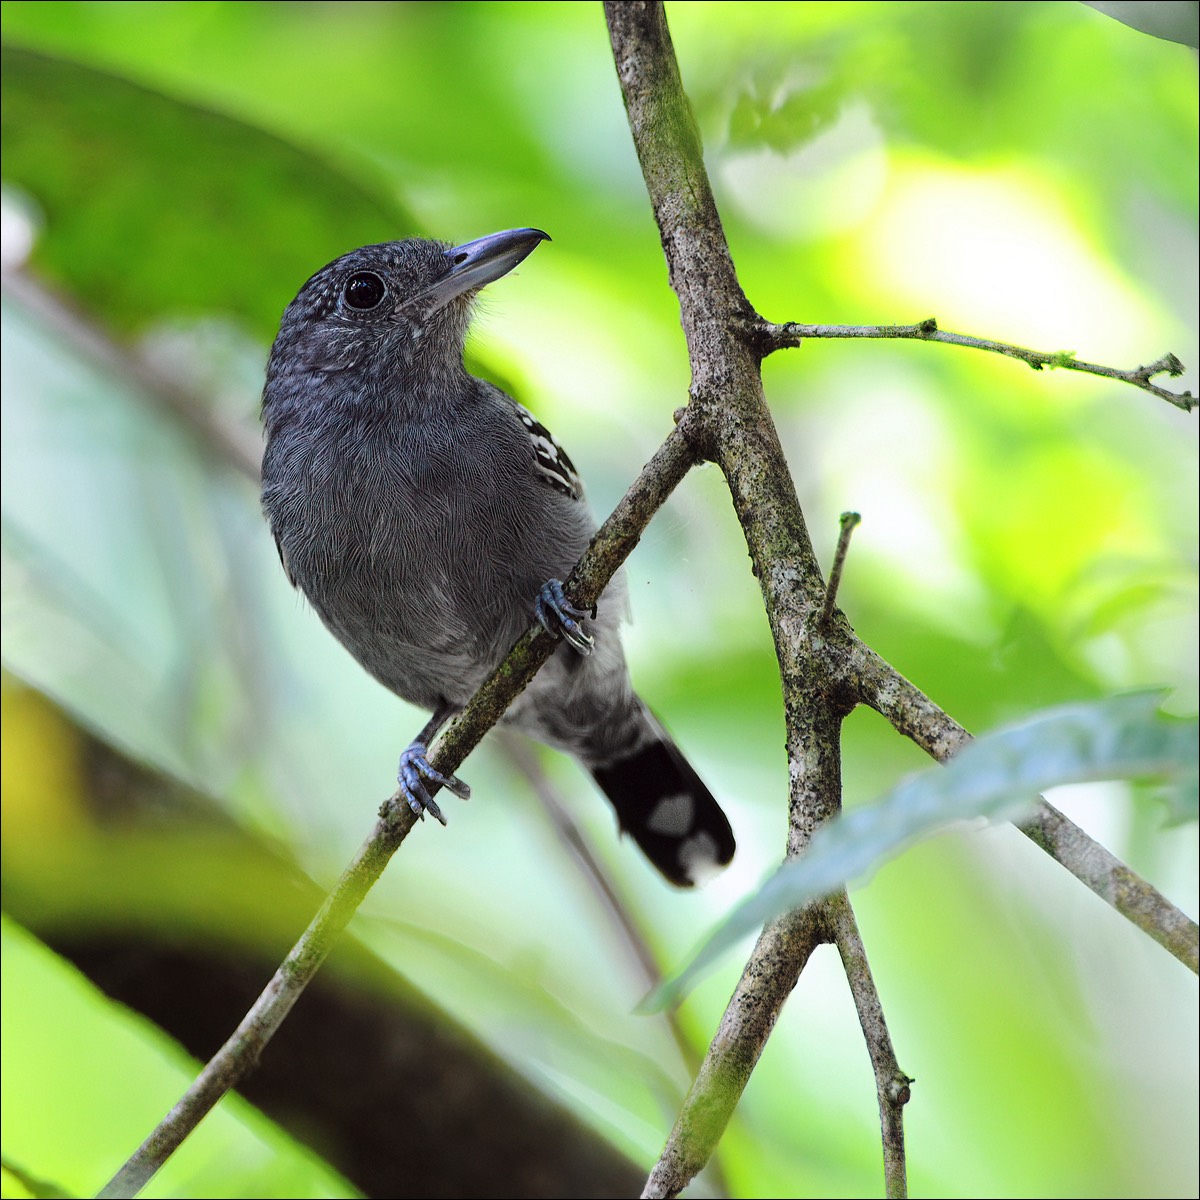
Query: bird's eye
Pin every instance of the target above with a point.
(364, 290)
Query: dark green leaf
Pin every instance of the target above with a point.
(201, 213)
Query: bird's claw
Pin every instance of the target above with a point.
(415, 768)
(560, 618)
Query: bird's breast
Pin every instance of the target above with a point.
(436, 532)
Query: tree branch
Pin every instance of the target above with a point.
(572, 836)
(221, 441)
(791, 334)
(780, 954)
(726, 343)
(611, 545)
(912, 713)
(892, 1086)
(738, 433)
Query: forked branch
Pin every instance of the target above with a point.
(824, 670)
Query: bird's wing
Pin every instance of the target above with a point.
(551, 461)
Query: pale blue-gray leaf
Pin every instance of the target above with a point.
(995, 777)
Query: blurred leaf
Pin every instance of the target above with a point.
(782, 117)
(993, 777)
(1174, 20)
(201, 213)
(67, 1046)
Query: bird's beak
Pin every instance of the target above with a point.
(475, 264)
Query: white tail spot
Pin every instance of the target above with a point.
(672, 815)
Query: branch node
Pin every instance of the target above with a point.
(899, 1089)
(1167, 365)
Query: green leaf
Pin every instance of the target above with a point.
(85, 1079)
(994, 777)
(200, 213)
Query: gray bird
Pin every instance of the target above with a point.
(428, 517)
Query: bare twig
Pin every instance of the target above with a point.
(849, 521)
(593, 870)
(569, 833)
(892, 1086)
(791, 333)
(609, 548)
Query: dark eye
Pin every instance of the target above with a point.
(364, 290)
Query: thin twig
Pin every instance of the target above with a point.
(791, 333)
(610, 546)
(849, 521)
(892, 1086)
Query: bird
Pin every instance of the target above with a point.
(429, 519)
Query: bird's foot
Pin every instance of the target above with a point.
(415, 769)
(560, 618)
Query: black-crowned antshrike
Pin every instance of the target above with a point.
(428, 517)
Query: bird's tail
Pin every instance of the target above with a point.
(665, 806)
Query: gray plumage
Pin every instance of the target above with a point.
(423, 513)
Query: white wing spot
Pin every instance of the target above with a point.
(550, 460)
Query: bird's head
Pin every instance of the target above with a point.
(387, 315)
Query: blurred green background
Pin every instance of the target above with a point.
(1022, 171)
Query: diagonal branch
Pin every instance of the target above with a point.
(219, 440)
(790, 334)
(522, 756)
(912, 713)
(780, 954)
(230, 446)
(611, 545)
